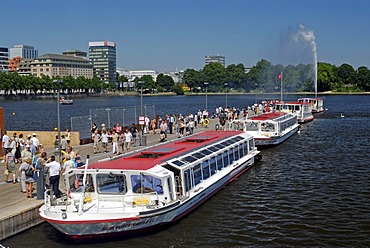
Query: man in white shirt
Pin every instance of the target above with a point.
(5, 141)
(128, 139)
(54, 170)
(35, 141)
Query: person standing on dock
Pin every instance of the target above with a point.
(5, 141)
(96, 139)
(54, 170)
(128, 140)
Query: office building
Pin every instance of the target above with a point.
(214, 58)
(102, 55)
(53, 65)
(23, 51)
(4, 57)
(76, 53)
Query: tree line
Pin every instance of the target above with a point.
(263, 76)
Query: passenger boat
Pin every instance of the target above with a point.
(303, 110)
(317, 103)
(148, 188)
(271, 128)
(66, 101)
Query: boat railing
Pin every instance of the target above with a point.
(149, 200)
(48, 198)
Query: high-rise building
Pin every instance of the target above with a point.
(102, 55)
(23, 51)
(4, 57)
(215, 58)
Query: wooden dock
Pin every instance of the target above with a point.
(18, 213)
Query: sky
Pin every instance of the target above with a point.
(173, 35)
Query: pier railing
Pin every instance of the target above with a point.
(125, 116)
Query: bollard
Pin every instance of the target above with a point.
(40, 182)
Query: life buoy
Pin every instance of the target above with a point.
(206, 121)
(64, 156)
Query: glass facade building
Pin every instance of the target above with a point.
(4, 57)
(23, 51)
(102, 55)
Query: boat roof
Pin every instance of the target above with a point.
(267, 116)
(310, 98)
(159, 154)
(293, 103)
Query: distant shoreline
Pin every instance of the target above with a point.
(31, 97)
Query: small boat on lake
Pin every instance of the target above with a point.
(271, 128)
(303, 110)
(148, 188)
(317, 103)
(66, 101)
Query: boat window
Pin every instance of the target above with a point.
(226, 158)
(246, 147)
(212, 165)
(197, 174)
(251, 126)
(76, 183)
(169, 183)
(251, 144)
(231, 156)
(213, 149)
(187, 180)
(198, 155)
(111, 184)
(236, 153)
(205, 169)
(178, 163)
(146, 184)
(205, 151)
(190, 159)
(267, 127)
(220, 146)
(241, 150)
(219, 162)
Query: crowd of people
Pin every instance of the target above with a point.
(23, 157)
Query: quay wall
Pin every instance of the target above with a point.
(47, 138)
(27, 218)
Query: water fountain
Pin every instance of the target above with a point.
(308, 36)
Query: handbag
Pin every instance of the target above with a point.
(29, 172)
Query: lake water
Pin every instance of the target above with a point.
(312, 190)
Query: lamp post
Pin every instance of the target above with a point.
(108, 109)
(58, 82)
(206, 84)
(141, 97)
(255, 99)
(226, 85)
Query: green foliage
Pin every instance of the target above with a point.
(12, 83)
(165, 82)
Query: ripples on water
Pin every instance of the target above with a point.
(313, 190)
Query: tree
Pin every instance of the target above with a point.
(165, 82)
(363, 78)
(191, 78)
(215, 75)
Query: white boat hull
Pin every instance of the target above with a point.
(275, 140)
